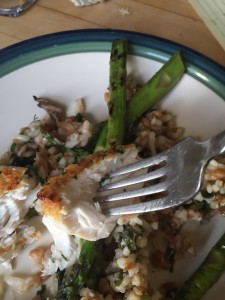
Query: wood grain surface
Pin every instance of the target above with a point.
(174, 20)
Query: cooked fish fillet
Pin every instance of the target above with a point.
(13, 179)
(11, 245)
(10, 212)
(17, 193)
(63, 254)
(67, 200)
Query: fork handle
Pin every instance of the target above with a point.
(215, 145)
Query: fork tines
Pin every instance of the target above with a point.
(113, 180)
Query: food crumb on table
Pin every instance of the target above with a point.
(124, 11)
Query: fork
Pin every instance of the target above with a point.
(176, 178)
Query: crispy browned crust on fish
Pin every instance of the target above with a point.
(10, 178)
(50, 196)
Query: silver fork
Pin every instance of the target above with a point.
(176, 179)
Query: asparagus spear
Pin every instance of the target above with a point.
(101, 142)
(151, 92)
(113, 130)
(160, 84)
(117, 93)
(207, 274)
(76, 275)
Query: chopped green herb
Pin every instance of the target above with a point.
(120, 150)
(35, 119)
(206, 195)
(79, 117)
(203, 206)
(41, 293)
(34, 171)
(20, 161)
(52, 259)
(79, 153)
(31, 213)
(41, 180)
(170, 255)
(60, 275)
(65, 258)
(128, 238)
(118, 282)
(13, 147)
(146, 297)
(118, 276)
(51, 140)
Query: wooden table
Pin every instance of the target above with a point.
(171, 19)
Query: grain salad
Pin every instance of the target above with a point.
(134, 238)
(55, 240)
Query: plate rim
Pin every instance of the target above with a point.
(35, 41)
(199, 66)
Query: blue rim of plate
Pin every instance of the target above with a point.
(47, 46)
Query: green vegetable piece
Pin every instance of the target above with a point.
(101, 142)
(92, 144)
(146, 297)
(79, 153)
(31, 213)
(117, 93)
(128, 238)
(112, 131)
(206, 275)
(13, 147)
(21, 161)
(159, 85)
(170, 255)
(35, 119)
(79, 117)
(75, 277)
(94, 274)
(152, 91)
(41, 293)
(52, 140)
(203, 206)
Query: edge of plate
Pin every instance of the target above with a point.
(43, 47)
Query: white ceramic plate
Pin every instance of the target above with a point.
(71, 65)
